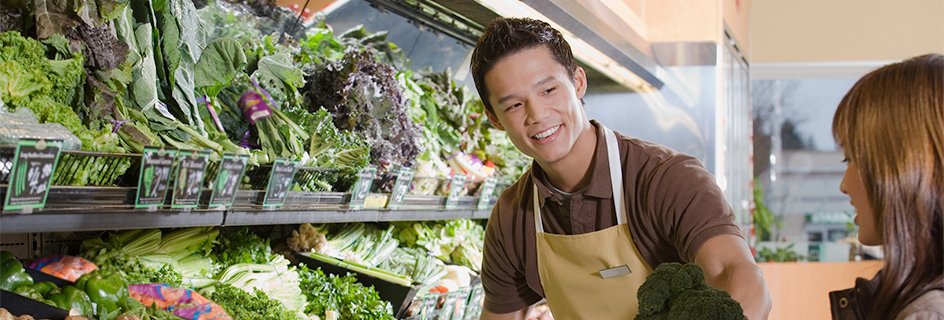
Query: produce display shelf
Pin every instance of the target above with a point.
(111, 208)
(106, 220)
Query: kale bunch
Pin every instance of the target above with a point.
(677, 291)
(364, 97)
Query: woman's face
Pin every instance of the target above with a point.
(865, 218)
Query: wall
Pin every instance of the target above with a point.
(844, 30)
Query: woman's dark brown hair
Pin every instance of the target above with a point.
(506, 36)
(891, 124)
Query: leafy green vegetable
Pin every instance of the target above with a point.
(332, 148)
(364, 96)
(343, 295)
(242, 305)
(218, 65)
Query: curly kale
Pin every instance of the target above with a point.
(365, 97)
(678, 291)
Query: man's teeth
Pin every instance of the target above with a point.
(545, 134)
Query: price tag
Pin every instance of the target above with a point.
(232, 168)
(156, 165)
(429, 307)
(280, 180)
(449, 307)
(361, 187)
(401, 187)
(33, 165)
(191, 166)
(455, 187)
(488, 188)
(474, 305)
(375, 201)
(462, 298)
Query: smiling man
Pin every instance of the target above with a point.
(573, 231)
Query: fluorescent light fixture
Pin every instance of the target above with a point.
(583, 51)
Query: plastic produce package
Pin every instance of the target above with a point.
(63, 267)
(23, 124)
(184, 303)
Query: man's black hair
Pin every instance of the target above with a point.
(506, 36)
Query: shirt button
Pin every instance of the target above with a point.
(843, 302)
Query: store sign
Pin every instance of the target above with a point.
(462, 298)
(362, 187)
(830, 217)
(34, 163)
(280, 180)
(191, 167)
(455, 188)
(401, 187)
(232, 169)
(156, 165)
(488, 188)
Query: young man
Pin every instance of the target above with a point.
(572, 230)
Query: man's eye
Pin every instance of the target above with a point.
(549, 90)
(513, 106)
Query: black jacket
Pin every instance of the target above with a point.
(854, 303)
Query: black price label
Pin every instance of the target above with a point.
(191, 166)
(362, 187)
(488, 188)
(449, 307)
(33, 165)
(157, 163)
(429, 307)
(401, 187)
(474, 305)
(232, 169)
(462, 297)
(455, 188)
(280, 180)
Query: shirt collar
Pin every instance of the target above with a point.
(600, 171)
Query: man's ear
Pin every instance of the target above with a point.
(494, 120)
(580, 82)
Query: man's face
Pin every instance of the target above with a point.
(537, 103)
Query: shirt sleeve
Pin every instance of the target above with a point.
(688, 206)
(503, 278)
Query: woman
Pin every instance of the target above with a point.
(891, 127)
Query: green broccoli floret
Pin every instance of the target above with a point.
(706, 304)
(678, 291)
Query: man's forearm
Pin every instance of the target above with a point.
(745, 283)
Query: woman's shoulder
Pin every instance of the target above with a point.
(928, 306)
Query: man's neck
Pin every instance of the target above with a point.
(572, 172)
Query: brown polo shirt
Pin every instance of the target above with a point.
(674, 206)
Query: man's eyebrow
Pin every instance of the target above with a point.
(539, 83)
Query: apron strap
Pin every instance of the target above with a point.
(616, 182)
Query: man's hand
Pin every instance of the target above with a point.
(517, 315)
(729, 266)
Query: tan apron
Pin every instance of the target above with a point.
(592, 275)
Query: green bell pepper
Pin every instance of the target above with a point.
(12, 275)
(73, 298)
(44, 288)
(103, 289)
(28, 291)
(6, 255)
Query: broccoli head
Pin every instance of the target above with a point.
(706, 304)
(678, 291)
